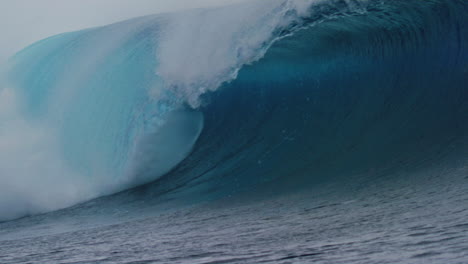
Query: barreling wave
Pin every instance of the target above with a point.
(215, 102)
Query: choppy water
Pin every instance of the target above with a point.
(369, 222)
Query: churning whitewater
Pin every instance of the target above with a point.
(318, 113)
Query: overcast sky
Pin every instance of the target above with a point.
(25, 21)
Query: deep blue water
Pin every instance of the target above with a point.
(330, 132)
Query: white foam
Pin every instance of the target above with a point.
(201, 49)
(33, 178)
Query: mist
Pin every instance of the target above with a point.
(23, 22)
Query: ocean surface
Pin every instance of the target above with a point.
(280, 131)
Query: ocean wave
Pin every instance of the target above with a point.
(261, 95)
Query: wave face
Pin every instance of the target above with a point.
(208, 103)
